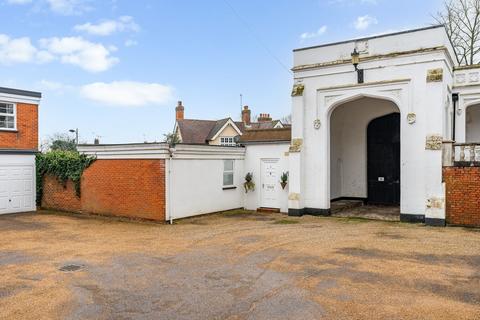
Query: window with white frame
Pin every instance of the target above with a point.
(228, 166)
(7, 116)
(227, 141)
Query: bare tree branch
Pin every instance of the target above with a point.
(462, 21)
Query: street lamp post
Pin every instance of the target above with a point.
(76, 134)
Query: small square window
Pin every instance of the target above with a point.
(227, 141)
(7, 116)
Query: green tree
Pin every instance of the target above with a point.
(171, 138)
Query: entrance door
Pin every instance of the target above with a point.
(270, 183)
(383, 153)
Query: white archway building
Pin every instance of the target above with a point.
(408, 73)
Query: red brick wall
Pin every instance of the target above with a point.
(26, 136)
(463, 195)
(59, 197)
(127, 188)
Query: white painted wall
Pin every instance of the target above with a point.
(253, 161)
(400, 78)
(348, 146)
(196, 187)
(473, 124)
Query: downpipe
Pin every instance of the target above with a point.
(171, 151)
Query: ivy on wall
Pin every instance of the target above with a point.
(64, 165)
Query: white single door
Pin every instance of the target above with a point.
(270, 183)
(17, 192)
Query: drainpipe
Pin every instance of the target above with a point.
(454, 118)
(171, 151)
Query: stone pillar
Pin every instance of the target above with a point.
(295, 197)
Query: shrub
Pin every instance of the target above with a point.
(64, 165)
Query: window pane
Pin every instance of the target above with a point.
(228, 178)
(228, 165)
(6, 108)
(7, 122)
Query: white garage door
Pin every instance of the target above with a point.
(17, 188)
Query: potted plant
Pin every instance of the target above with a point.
(284, 179)
(249, 185)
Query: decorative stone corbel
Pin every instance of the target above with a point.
(297, 90)
(317, 124)
(434, 142)
(296, 145)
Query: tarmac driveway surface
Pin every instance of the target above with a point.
(235, 265)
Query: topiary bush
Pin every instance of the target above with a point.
(64, 165)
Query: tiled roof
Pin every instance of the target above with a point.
(199, 131)
(263, 125)
(266, 135)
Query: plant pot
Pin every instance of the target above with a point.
(283, 184)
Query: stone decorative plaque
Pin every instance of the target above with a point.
(297, 90)
(435, 75)
(317, 124)
(473, 77)
(294, 196)
(411, 118)
(296, 145)
(461, 78)
(434, 142)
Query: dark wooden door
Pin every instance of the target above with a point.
(383, 164)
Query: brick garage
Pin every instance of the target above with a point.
(129, 188)
(462, 195)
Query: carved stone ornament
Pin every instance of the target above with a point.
(411, 118)
(296, 145)
(435, 75)
(317, 124)
(434, 142)
(297, 90)
(294, 196)
(461, 78)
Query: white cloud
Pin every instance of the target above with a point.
(68, 7)
(318, 33)
(105, 28)
(21, 50)
(93, 57)
(90, 56)
(128, 93)
(18, 1)
(363, 22)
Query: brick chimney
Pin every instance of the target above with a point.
(179, 111)
(264, 117)
(246, 115)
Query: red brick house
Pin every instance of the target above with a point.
(18, 145)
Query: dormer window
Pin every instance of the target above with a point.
(227, 141)
(7, 116)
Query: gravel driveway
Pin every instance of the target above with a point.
(236, 265)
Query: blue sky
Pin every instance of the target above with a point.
(116, 68)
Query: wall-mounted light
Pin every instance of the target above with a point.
(356, 62)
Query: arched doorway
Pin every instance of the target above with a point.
(472, 124)
(365, 152)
